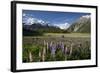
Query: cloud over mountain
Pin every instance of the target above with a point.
(62, 25)
(31, 20)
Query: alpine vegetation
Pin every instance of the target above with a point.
(56, 36)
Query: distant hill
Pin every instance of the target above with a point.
(38, 29)
(82, 25)
(42, 28)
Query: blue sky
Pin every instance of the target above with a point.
(53, 17)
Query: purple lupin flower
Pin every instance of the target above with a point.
(62, 46)
(58, 46)
(53, 49)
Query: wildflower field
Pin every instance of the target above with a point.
(56, 47)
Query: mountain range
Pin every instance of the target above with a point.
(81, 25)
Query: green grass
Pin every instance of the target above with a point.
(77, 54)
(73, 35)
(35, 44)
(67, 34)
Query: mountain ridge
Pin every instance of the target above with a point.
(82, 25)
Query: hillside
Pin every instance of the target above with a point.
(82, 25)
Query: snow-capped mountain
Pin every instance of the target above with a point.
(83, 19)
(63, 25)
(83, 24)
(31, 21)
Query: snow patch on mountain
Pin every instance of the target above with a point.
(31, 20)
(62, 25)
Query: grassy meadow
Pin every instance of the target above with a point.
(56, 47)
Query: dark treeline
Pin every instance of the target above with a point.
(27, 32)
(38, 30)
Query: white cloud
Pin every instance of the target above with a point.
(30, 21)
(62, 25)
(24, 14)
(40, 21)
(86, 16)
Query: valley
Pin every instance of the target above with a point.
(48, 38)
